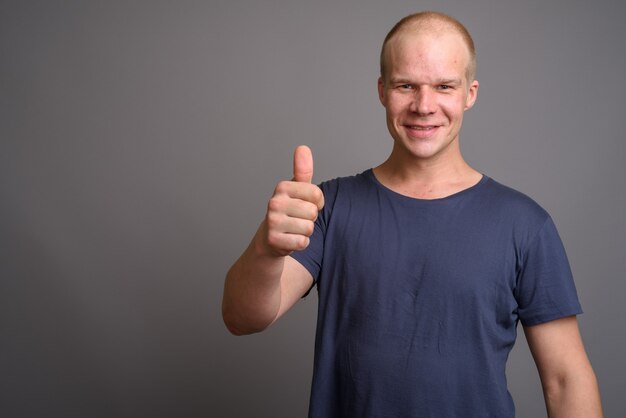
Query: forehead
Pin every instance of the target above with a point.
(427, 53)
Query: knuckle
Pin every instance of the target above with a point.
(275, 241)
(274, 204)
(317, 194)
(282, 187)
(273, 220)
(272, 240)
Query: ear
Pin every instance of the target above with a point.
(472, 94)
(381, 90)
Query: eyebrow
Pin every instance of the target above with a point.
(449, 81)
(452, 81)
(400, 81)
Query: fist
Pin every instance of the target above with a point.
(293, 208)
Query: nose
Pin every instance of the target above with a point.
(423, 102)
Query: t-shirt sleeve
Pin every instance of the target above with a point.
(546, 289)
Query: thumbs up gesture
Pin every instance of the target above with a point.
(303, 164)
(293, 209)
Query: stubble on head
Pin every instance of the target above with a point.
(432, 24)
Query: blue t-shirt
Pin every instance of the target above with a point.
(419, 299)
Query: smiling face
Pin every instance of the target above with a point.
(425, 92)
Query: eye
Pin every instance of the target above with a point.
(445, 87)
(405, 87)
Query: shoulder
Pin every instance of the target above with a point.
(512, 202)
(355, 184)
(343, 193)
(349, 181)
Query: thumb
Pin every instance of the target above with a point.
(303, 164)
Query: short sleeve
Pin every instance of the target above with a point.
(545, 286)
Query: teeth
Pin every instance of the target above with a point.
(421, 128)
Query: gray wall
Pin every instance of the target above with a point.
(139, 142)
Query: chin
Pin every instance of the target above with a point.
(423, 149)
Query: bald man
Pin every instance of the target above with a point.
(423, 265)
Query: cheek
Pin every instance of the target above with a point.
(454, 108)
(395, 107)
(391, 111)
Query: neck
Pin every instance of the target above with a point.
(426, 178)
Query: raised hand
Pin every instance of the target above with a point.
(293, 209)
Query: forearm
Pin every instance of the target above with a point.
(569, 384)
(262, 284)
(252, 290)
(576, 396)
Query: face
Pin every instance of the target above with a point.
(425, 93)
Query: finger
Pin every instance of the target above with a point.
(294, 208)
(296, 226)
(289, 234)
(283, 224)
(288, 243)
(302, 191)
(302, 210)
(303, 164)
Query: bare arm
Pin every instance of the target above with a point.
(569, 383)
(265, 282)
(260, 288)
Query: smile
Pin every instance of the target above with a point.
(421, 128)
(421, 131)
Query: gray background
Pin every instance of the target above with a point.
(140, 142)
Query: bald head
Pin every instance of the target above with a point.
(432, 24)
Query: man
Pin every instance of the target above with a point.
(423, 265)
